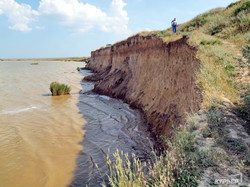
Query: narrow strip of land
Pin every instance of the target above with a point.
(77, 59)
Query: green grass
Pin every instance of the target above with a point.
(195, 23)
(244, 108)
(211, 42)
(34, 63)
(86, 61)
(125, 171)
(238, 152)
(233, 4)
(246, 52)
(182, 164)
(217, 72)
(244, 7)
(57, 88)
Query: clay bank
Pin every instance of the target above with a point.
(157, 77)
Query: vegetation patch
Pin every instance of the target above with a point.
(211, 42)
(232, 144)
(78, 69)
(161, 34)
(125, 170)
(34, 63)
(57, 88)
(244, 7)
(182, 164)
(233, 4)
(246, 52)
(244, 109)
(217, 130)
(86, 61)
(217, 73)
(196, 23)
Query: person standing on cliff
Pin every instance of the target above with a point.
(174, 25)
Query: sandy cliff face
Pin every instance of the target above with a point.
(157, 77)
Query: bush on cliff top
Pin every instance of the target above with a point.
(57, 88)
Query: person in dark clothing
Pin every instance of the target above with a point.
(174, 25)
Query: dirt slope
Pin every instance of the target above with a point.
(157, 77)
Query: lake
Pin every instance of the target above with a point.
(57, 141)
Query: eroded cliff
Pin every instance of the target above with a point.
(157, 77)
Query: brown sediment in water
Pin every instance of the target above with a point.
(57, 141)
(157, 77)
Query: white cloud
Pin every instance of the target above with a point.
(76, 15)
(82, 17)
(19, 15)
(39, 28)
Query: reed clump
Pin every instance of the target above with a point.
(57, 88)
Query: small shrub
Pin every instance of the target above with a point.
(125, 171)
(207, 133)
(181, 165)
(78, 69)
(211, 42)
(161, 34)
(215, 117)
(34, 63)
(216, 24)
(246, 52)
(196, 23)
(244, 109)
(86, 61)
(243, 7)
(242, 22)
(57, 88)
(233, 4)
(232, 144)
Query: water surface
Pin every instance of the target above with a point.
(57, 141)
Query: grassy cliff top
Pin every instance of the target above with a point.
(221, 35)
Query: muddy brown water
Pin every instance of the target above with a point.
(57, 141)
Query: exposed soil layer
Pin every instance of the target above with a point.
(157, 77)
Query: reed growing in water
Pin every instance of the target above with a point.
(57, 88)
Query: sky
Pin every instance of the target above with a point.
(74, 28)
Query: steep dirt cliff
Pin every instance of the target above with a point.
(157, 77)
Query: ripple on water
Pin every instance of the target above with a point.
(55, 141)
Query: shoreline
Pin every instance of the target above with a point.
(66, 59)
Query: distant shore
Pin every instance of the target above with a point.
(75, 59)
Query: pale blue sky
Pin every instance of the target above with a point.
(73, 28)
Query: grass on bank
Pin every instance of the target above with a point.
(244, 108)
(186, 157)
(57, 88)
(125, 170)
(181, 165)
(238, 153)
